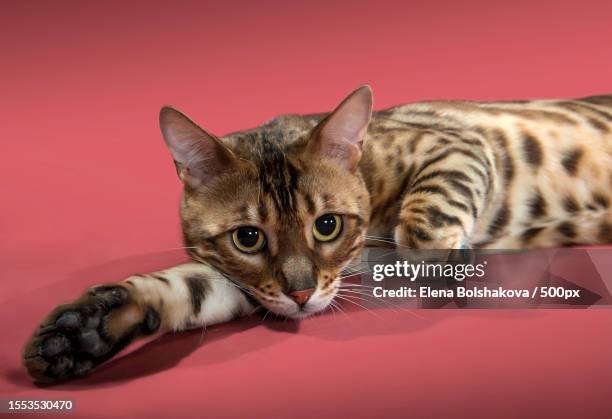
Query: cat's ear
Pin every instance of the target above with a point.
(199, 156)
(340, 135)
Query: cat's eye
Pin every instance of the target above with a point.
(327, 227)
(249, 239)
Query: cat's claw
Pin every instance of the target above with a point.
(78, 336)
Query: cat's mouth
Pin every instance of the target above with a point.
(285, 306)
(282, 305)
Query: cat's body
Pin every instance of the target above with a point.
(277, 212)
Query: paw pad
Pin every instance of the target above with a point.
(74, 340)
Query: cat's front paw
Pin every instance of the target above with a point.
(76, 337)
(463, 253)
(422, 242)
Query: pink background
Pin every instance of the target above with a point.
(89, 193)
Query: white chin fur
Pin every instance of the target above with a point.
(288, 308)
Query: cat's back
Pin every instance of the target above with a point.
(592, 114)
(551, 153)
(549, 134)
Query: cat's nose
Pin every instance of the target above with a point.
(302, 296)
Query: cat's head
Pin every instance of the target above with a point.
(281, 209)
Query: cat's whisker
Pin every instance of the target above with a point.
(354, 274)
(363, 298)
(347, 280)
(395, 307)
(364, 288)
(342, 310)
(202, 334)
(378, 299)
(348, 285)
(265, 315)
(380, 239)
(331, 309)
(325, 311)
(176, 248)
(358, 305)
(228, 282)
(361, 292)
(336, 306)
(356, 265)
(367, 236)
(231, 281)
(355, 268)
(386, 241)
(351, 270)
(360, 270)
(411, 312)
(389, 242)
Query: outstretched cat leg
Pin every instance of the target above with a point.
(78, 336)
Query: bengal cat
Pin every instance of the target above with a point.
(271, 216)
